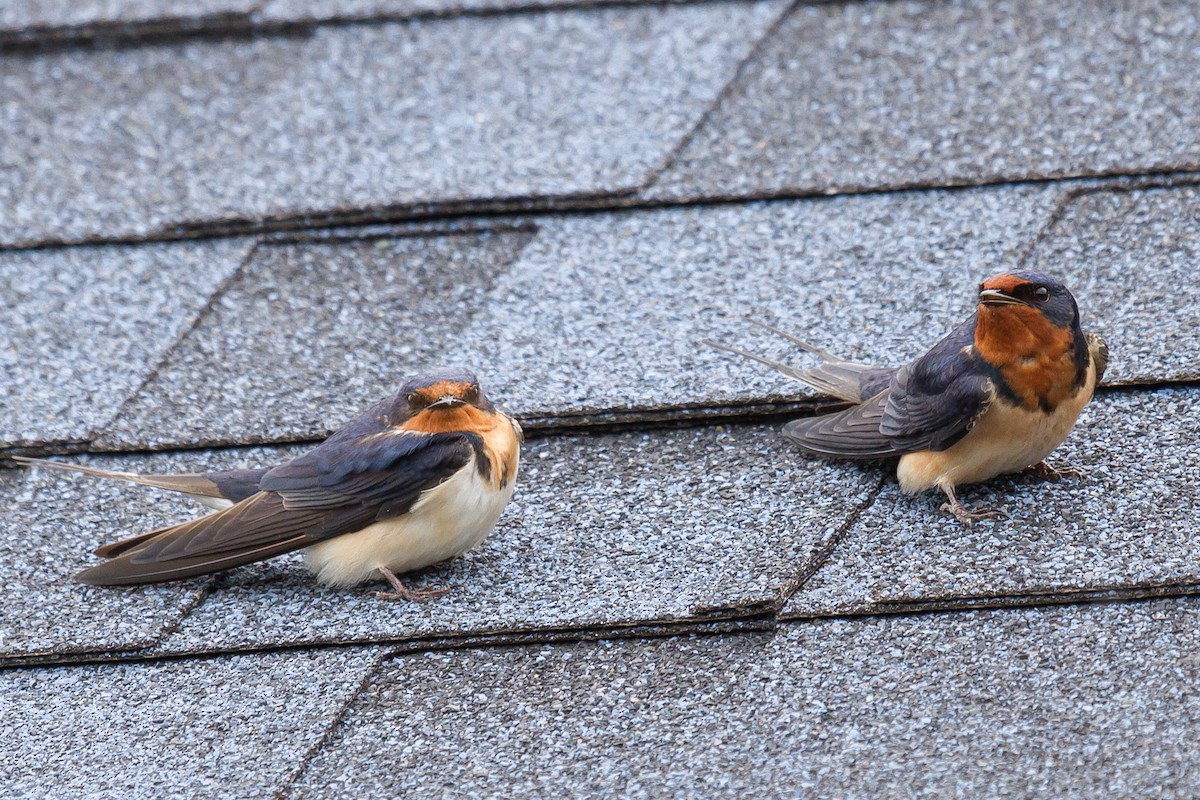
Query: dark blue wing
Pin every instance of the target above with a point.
(339, 487)
(928, 404)
(935, 400)
(389, 469)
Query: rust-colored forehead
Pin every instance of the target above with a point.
(1005, 282)
(443, 388)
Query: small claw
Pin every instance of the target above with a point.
(412, 595)
(969, 517)
(965, 515)
(402, 592)
(1046, 472)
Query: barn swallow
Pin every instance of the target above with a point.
(996, 395)
(418, 479)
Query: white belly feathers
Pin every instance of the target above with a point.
(1007, 438)
(446, 521)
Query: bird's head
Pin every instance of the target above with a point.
(443, 391)
(1016, 293)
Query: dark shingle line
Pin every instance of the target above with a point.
(754, 623)
(822, 557)
(128, 33)
(1127, 185)
(734, 81)
(335, 722)
(1132, 593)
(165, 356)
(239, 24)
(747, 625)
(539, 427)
(479, 212)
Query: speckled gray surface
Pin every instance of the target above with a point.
(605, 312)
(51, 525)
(83, 327)
(294, 10)
(1131, 521)
(603, 531)
(1088, 701)
(144, 139)
(313, 334)
(1133, 257)
(35, 16)
(871, 95)
(236, 727)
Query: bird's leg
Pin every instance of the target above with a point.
(1043, 470)
(965, 515)
(402, 592)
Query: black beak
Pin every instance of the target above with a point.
(995, 297)
(447, 401)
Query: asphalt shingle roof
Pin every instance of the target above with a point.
(714, 523)
(146, 730)
(349, 120)
(1039, 702)
(227, 227)
(888, 95)
(85, 326)
(1127, 526)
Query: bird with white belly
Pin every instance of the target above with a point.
(419, 478)
(998, 394)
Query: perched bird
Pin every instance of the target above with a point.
(996, 395)
(419, 478)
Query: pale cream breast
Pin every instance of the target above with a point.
(1007, 438)
(445, 522)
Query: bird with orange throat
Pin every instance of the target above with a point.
(419, 478)
(998, 394)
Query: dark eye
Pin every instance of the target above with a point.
(414, 399)
(1042, 294)
(472, 393)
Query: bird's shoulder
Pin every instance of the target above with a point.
(933, 401)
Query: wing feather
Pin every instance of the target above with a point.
(929, 404)
(853, 433)
(339, 487)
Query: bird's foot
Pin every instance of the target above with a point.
(412, 595)
(402, 592)
(1045, 472)
(966, 515)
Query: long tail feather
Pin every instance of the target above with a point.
(197, 485)
(791, 372)
(796, 340)
(836, 377)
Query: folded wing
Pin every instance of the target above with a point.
(928, 404)
(339, 487)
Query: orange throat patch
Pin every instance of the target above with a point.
(1035, 358)
(461, 418)
(501, 442)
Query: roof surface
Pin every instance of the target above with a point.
(226, 227)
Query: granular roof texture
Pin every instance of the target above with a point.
(228, 227)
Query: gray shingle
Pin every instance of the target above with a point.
(31, 20)
(1133, 257)
(87, 325)
(604, 531)
(868, 95)
(1085, 701)
(145, 139)
(230, 727)
(298, 10)
(603, 313)
(1130, 522)
(313, 332)
(51, 525)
